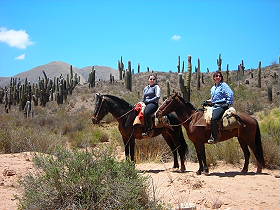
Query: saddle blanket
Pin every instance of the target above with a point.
(228, 119)
(139, 119)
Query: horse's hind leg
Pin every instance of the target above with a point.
(259, 165)
(246, 153)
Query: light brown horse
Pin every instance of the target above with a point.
(248, 133)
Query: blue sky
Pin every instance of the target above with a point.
(150, 32)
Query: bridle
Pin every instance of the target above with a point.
(99, 108)
(188, 119)
(161, 111)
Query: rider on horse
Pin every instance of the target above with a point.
(222, 97)
(151, 96)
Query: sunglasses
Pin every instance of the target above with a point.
(152, 79)
(218, 76)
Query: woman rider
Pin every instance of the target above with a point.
(151, 96)
(222, 97)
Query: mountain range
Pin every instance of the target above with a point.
(57, 68)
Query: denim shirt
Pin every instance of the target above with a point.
(222, 93)
(151, 94)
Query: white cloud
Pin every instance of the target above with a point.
(176, 37)
(20, 57)
(19, 39)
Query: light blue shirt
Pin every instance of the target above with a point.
(222, 93)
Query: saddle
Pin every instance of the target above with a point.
(137, 118)
(230, 120)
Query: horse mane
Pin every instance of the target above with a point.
(188, 104)
(121, 101)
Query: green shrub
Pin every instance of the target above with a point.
(270, 131)
(154, 149)
(228, 151)
(88, 137)
(28, 139)
(84, 180)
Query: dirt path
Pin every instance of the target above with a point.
(224, 188)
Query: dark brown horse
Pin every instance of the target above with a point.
(248, 133)
(123, 111)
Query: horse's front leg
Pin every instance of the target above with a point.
(132, 148)
(126, 148)
(198, 148)
(205, 167)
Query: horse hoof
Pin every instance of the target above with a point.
(198, 173)
(259, 171)
(205, 172)
(183, 169)
(244, 171)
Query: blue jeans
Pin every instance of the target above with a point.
(149, 110)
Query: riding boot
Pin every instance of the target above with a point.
(214, 132)
(148, 132)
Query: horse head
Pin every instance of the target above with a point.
(168, 105)
(100, 110)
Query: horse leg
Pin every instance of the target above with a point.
(168, 139)
(126, 148)
(203, 154)
(199, 152)
(259, 165)
(246, 153)
(132, 149)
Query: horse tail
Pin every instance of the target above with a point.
(173, 119)
(258, 144)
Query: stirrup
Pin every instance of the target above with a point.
(147, 133)
(211, 140)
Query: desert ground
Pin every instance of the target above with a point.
(224, 188)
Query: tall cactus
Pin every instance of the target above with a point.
(259, 75)
(128, 77)
(188, 79)
(138, 68)
(269, 93)
(182, 86)
(121, 68)
(168, 88)
(219, 62)
(227, 73)
(178, 66)
(198, 74)
(91, 78)
(242, 67)
(183, 67)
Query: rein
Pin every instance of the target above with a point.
(183, 121)
(125, 114)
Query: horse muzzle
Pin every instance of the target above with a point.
(94, 120)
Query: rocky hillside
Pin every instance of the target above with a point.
(56, 68)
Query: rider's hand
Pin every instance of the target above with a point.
(207, 103)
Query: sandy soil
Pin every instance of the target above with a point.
(224, 188)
